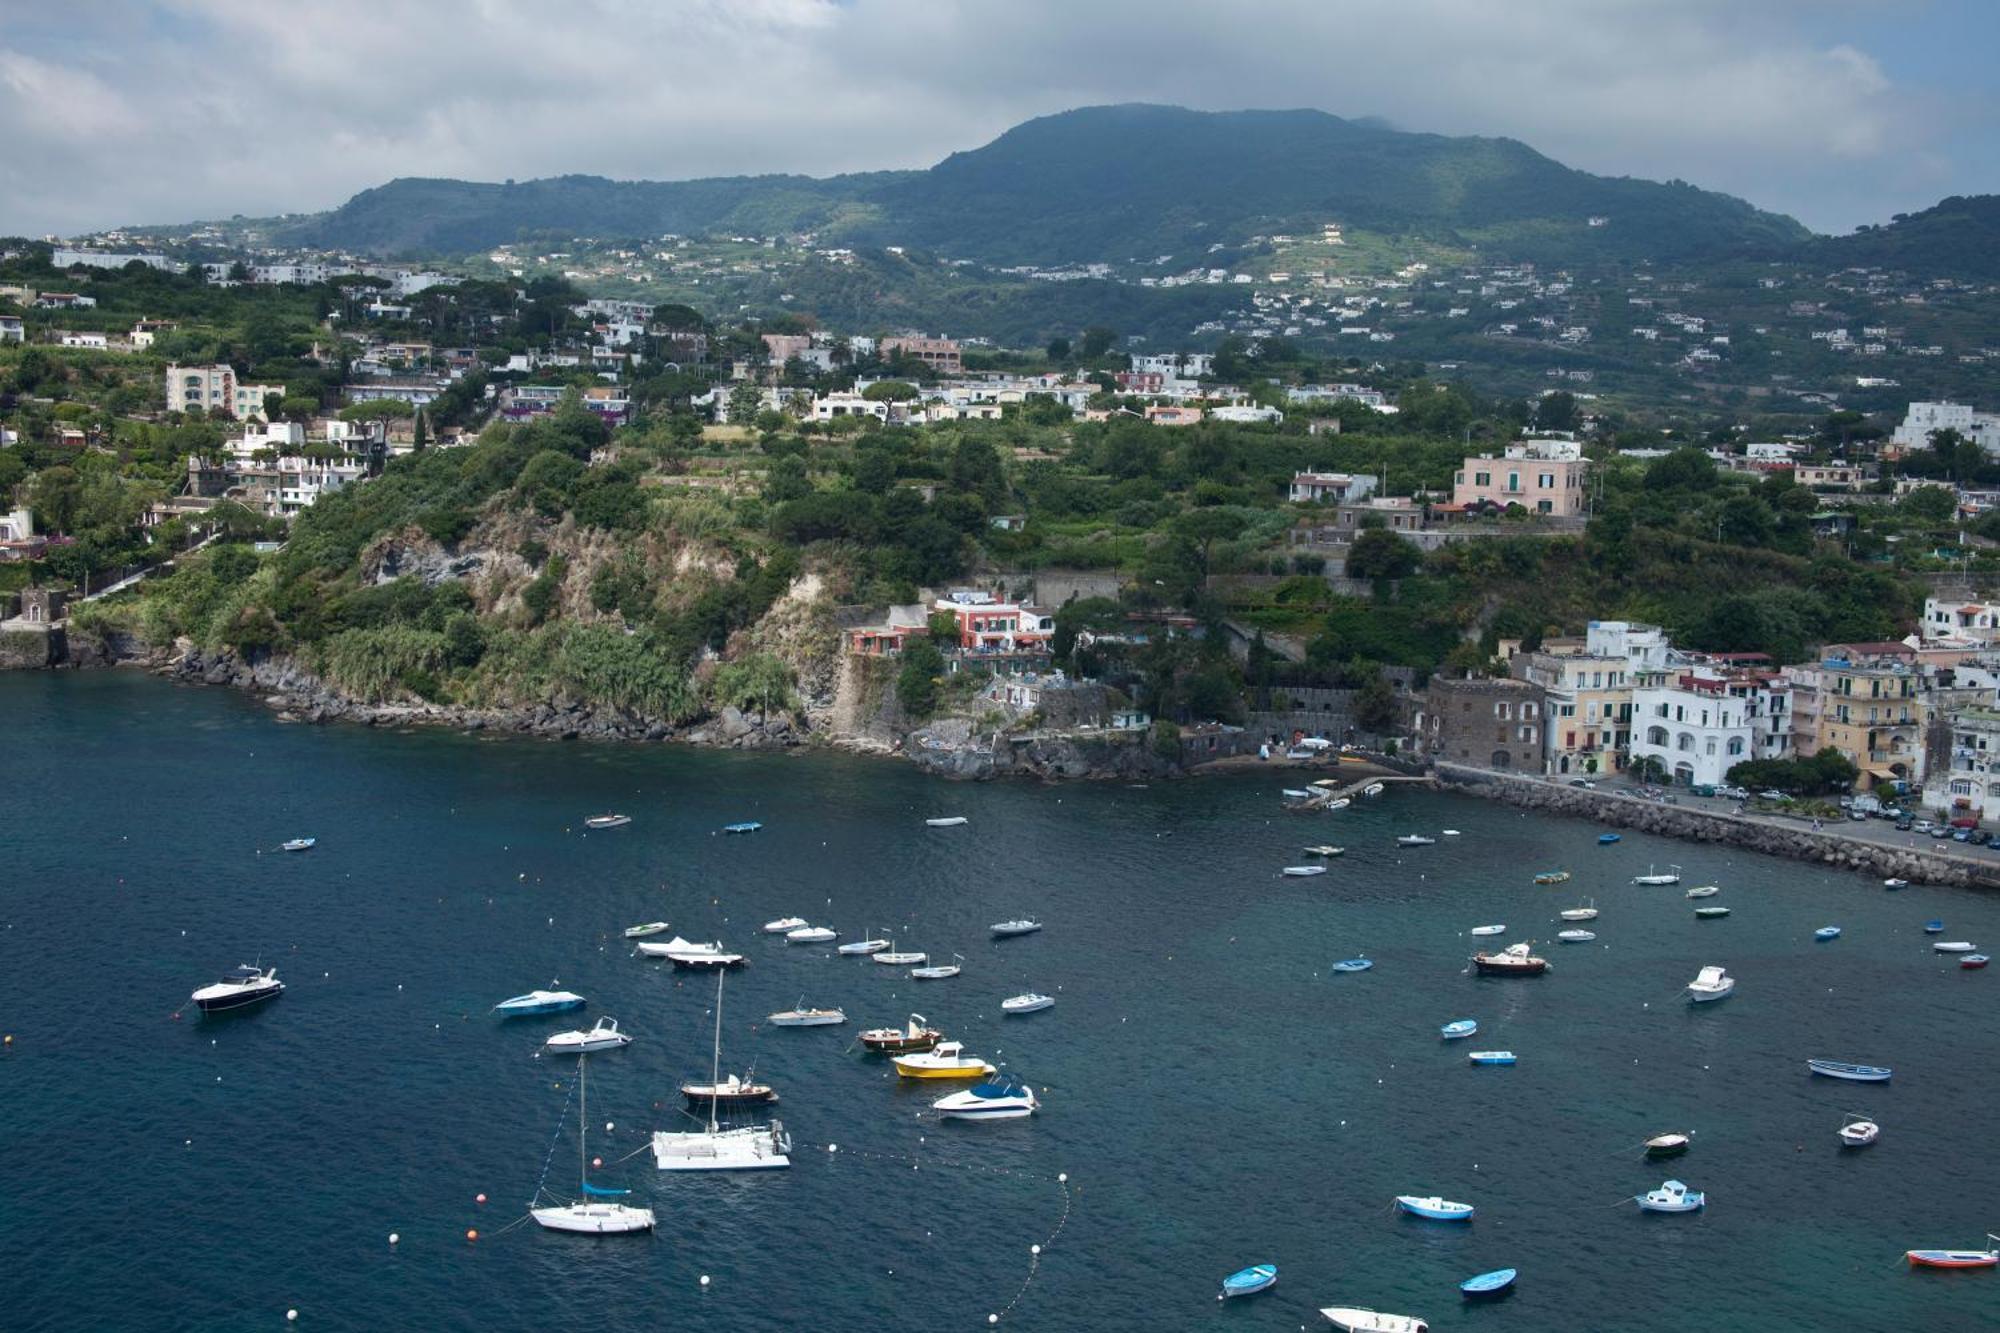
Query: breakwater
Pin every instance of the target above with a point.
(1826, 846)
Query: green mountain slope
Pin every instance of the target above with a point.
(1959, 237)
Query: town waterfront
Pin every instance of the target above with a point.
(1215, 1097)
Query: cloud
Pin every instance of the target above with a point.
(180, 109)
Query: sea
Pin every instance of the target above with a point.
(1213, 1096)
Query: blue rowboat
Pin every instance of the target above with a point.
(1492, 1057)
(1853, 1073)
(1250, 1281)
(1463, 1027)
(750, 827)
(1827, 933)
(1606, 839)
(1933, 927)
(1488, 1284)
(1434, 1208)
(1353, 965)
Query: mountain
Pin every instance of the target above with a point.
(1108, 183)
(1959, 237)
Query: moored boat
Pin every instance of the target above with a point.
(945, 1060)
(607, 821)
(1710, 913)
(299, 844)
(602, 1035)
(947, 821)
(1249, 1281)
(1955, 1258)
(594, 1214)
(1933, 927)
(748, 1148)
(1553, 877)
(1373, 789)
(687, 953)
(1972, 962)
(1353, 965)
(856, 948)
(1354, 1319)
(784, 925)
(939, 971)
(1489, 1284)
(1488, 930)
(1671, 1197)
(1895, 884)
(1302, 872)
(1851, 1072)
(1323, 849)
(1859, 1133)
(1576, 936)
(1459, 1027)
(916, 1035)
(1672, 875)
(806, 1018)
(1704, 891)
(1606, 839)
(904, 958)
(812, 935)
(1491, 1057)
(1584, 911)
(1666, 1145)
(747, 826)
(729, 1092)
(1435, 1208)
(239, 988)
(1953, 946)
(1825, 933)
(1711, 983)
(1028, 1002)
(1516, 960)
(640, 932)
(1005, 930)
(995, 1099)
(1415, 840)
(538, 1002)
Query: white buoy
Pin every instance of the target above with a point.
(393, 1238)
(1034, 1249)
(291, 1316)
(704, 1279)
(609, 1126)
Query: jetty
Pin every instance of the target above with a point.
(1323, 796)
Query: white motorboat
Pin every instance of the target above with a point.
(812, 935)
(642, 931)
(538, 1002)
(1585, 912)
(1324, 849)
(806, 1018)
(1671, 1197)
(855, 948)
(1488, 930)
(1449, 832)
(1711, 983)
(1704, 891)
(941, 972)
(595, 1213)
(1303, 872)
(607, 821)
(1578, 936)
(749, 1148)
(784, 925)
(949, 821)
(1029, 1002)
(299, 844)
(1859, 1133)
(602, 1035)
(242, 987)
(1338, 803)
(1296, 794)
(1415, 840)
(1953, 946)
(1352, 1319)
(997, 1099)
(1373, 789)
(904, 958)
(687, 953)
(1670, 876)
(1004, 930)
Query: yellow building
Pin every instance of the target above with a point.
(1589, 711)
(1870, 710)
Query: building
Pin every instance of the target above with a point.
(12, 330)
(1830, 477)
(941, 355)
(1971, 778)
(987, 625)
(63, 257)
(1982, 428)
(885, 638)
(829, 406)
(1167, 414)
(213, 389)
(1700, 720)
(1330, 487)
(416, 390)
(1870, 711)
(1808, 684)
(1484, 723)
(1587, 703)
(1533, 475)
(1247, 414)
(1644, 647)
(146, 330)
(1955, 618)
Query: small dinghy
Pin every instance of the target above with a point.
(1491, 1057)
(1972, 962)
(1303, 872)
(811, 935)
(1434, 1208)
(1895, 884)
(1827, 933)
(1711, 983)
(1671, 1197)
(539, 1002)
(299, 845)
(1704, 891)
(649, 928)
(949, 821)
(1585, 911)
(939, 972)
(1007, 930)
(607, 821)
(1606, 839)
(1353, 1319)
(1028, 1002)
(995, 1099)
(783, 925)
(601, 1036)
(1296, 794)
(905, 958)
(1933, 927)
(1449, 832)
(1955, 1258)
(1323, 850)
(1852, 1073)
(1710, 913)
(1337, 803)
(916, 1035)
(1415, 840)
(747, 826)
(1666, 1145)
(1373, 789)
(1859, 1133)
(1353, 965)
(1553, 877)
(1462, 1027)
(1671, 875)
(1576, 936)
(1953, 946)
(1249, 1281)
(1489, 1284)
(856, 948)
(806, 1018)
(1488, 930)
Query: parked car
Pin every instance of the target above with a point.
(1733, 793)
(1980, 837)
(1905, 824)
(1773, 796)
(1857, 816)
(1961, 835)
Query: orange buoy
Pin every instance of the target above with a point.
(479, 1198)
(471, 1234)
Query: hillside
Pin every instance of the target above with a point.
(1958, 237)
(1106, 184)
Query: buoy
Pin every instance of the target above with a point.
(393, 1238)
(993, 1319)
(608, 1126)
(471, 1233)
(1034, 1249)
(1063, 1179)
(598, 1163)
(479, 1198)
(704, 1279)
(833, 1147)
(291, 1316)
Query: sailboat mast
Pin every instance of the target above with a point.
(582, 1120)
(715, 1061)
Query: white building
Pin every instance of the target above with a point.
(1956, 618)
(1338, 487)
(215, 387)
(1982, 428)
(95, 341)
(66, 258)
(1644, 647)
(848, 405)
(12, 330)
(279, 437)
(1973, 781)
(1702, 720)
(1247, 414)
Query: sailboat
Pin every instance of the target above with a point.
(749, 1148)
(1671, 875)
(594, 1214)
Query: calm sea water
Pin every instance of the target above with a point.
(1214, 1095)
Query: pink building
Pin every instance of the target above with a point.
(1540, 480)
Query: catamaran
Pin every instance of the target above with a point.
(593, 1214)
(749, 1148)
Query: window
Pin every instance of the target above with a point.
(1503, 711)
(1482, 478)
(1656, 736)
(1735, 745)
(1685, 742)
(1709, 749)
(1513, 481)
(1547, 481)
(1962, 787)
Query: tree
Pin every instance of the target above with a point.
(380, 409)
(1380, 554)
(1058, 350)
(420, 439)
(1556, 411)
(1097, 342)
(1687, 469)
(1932, 504)
(890, 391)
(917, 682)
(58, 495)
(745, 400)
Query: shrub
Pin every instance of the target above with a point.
(372, 663)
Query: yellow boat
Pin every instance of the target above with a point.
(947, 1060)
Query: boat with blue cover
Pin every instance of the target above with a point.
(1489, 1284)
(1671, 1197)
(1249, 1281)
(1933, 927)
(1462, 1027)
(539, 1002)
(1825, 933)
(748, 826)
(1606, 839)
(1353, 965)
(1852, 1073)
(1435, 1208)
(1004, 1098)
(1491, 1057)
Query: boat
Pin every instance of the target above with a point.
(1489, 1284)
(748, 826)
(1323, 849)
(1373, 789)
(855, 948)
(1933, 927)
(940, 972)
(595, 1213)
(1553, 877)
(806, 1018)
(1249, 1281)
(948, 821)
(903, 959)
(1449, 832)
(1415, 840)
(1711, 983)
(1434, 1208)
(1853, 1073)
(783, 925)
(1666, 1145)
(1827, 933)
(1671, 876)
(240, 987)
(607, 821)
(687, 953)
(1488, 930)
(995, 1099)
(1353, 965)
(916, 1035)
(1954, 946)
(1704, 891)
(1491, 1057)
(1002, 930)
(1459, 1027)
(730, 1092)
(945, 1060)
(1295, 794)
(1513, 961)
(1353, 1319)
(1337, 803)
(748, 1148)
(603, 1035)
(1576, 936)
(1895, 884)
(1710, 913)
(642, 931)
(1606, 839)
(1972, 962)
(1028, 1002)
(1671, 1197)
(299, 844)
(1586, 911)
(1859, 1133)
(812, 935)
(1303, 872)
(539, 1002)
(1955, 1258)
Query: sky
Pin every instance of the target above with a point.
(1839, 112)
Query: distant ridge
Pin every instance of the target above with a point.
(1957, 237)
